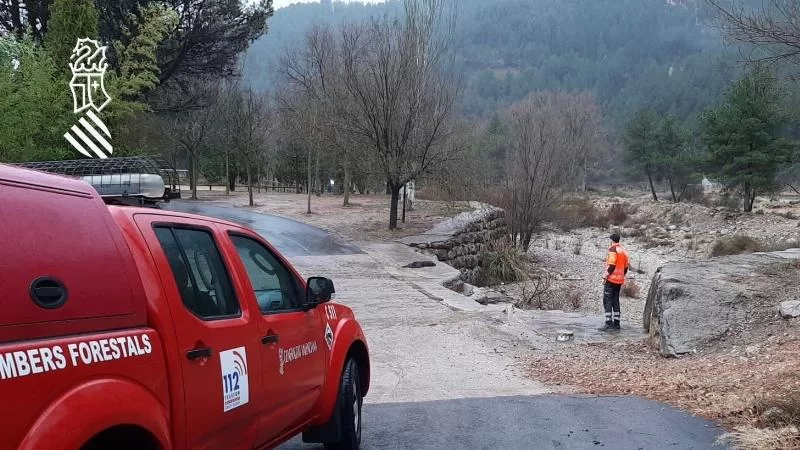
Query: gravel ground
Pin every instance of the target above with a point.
(684, 231)
(744, 381)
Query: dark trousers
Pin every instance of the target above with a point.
(611, 302)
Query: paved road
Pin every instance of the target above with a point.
(445, 379)
(292, 238)
(541, 422)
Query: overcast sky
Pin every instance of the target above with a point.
(281, 3)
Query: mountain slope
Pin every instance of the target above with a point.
(629, 53)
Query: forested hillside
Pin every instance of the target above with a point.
(628, 53)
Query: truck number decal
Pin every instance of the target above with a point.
(235, 384)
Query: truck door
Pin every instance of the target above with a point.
(293, 348)
(218, 338)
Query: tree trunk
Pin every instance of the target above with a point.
(513, 225)
(672, 190)
(258, 177)
(346, 183)
(393, 206)
(309, 181)
(526, 240)
(652, 188)
(319, 181)
(683, 193)
(584, 170)
(749, 197)
(193, 182)
(250, 184)
(227, 176)
(405, 200)
(232, 174)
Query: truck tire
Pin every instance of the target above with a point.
(123, 437)
(349, 406)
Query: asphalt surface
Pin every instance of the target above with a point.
(292, 238)
(540, 422)
(454, 394)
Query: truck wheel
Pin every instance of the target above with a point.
(349, 407)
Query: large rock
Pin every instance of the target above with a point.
(694, 303)
(492, 298)
(790, 309)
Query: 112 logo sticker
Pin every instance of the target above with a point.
(235, 383)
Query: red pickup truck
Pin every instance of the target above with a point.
(135, 328)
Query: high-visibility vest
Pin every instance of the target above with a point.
(617, 257)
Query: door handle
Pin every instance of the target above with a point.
(269, 339)
(198, 353)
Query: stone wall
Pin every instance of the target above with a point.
(462, 240)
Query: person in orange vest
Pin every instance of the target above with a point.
(614, 278)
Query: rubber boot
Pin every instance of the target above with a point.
(616, 326)
(607, 327)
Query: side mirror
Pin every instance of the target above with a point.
(318, 290)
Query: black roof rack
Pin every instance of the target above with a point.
(129, 179)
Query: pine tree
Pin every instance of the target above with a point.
(745, 136)
(69, 21)
(641, 145)
(676, 160)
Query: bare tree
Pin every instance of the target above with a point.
(551, 135)
(773, 28)
(395, 71)
(190, 130)
(383, 83)
(300, 120)
(315, 71)
(584, 129)
(250, 124)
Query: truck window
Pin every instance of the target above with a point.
(199, 272)
(275, 287)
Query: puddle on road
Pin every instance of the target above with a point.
(549, 324)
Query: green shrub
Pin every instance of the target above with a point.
(695, 194)
(574, 213)
(729, 202)
(505, 264)
(778, 410)
(739, 244)
(736, 245)
(616, 214)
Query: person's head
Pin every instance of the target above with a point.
(615, 238)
